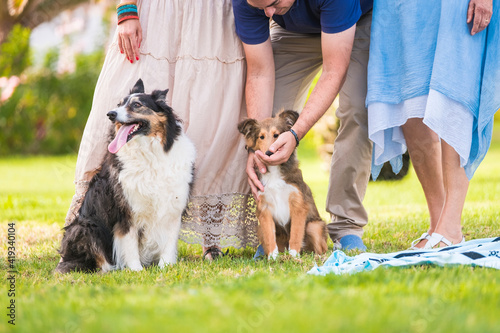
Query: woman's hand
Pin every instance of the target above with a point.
(130, 38)
(480, 11)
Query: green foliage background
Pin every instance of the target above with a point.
(15, 53)
(48, 110)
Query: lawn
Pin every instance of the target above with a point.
(236, 294)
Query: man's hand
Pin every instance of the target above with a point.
(282, 149)
(254, 182)
(130, 38)
(480, 11)
(259, 91)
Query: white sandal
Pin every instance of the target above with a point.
(425, 236)
(436, 238)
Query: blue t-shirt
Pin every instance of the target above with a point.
(305, 16)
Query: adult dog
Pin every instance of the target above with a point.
(288, 217)
(131, 213)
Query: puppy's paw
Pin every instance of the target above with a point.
(294, 253)
(273, 255)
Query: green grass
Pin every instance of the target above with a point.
(236, 294)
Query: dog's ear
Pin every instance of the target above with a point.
(247, 127)
(160, 99)
(138, 87)
(290, 117)
(159, 95)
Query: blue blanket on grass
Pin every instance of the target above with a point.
(479, 252)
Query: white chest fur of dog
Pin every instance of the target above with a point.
(156, 186)
(277, 193)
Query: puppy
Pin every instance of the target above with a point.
(288, 217)
(131, 213)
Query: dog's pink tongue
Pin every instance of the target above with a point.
(121, 138)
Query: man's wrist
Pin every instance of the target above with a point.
(295, 136)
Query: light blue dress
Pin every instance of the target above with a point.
(424, 63)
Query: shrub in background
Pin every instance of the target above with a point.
(47, 112)
(15, 55)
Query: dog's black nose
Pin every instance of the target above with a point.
(269, 153)
(112, 115)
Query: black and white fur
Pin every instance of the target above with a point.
(131, 214)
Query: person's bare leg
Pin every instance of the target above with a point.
(456, 185)
(212, 252)
(425, 153)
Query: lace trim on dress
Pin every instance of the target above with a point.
(80, 189)
(221, 220)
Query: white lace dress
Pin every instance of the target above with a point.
(189, 47)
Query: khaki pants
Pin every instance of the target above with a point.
(297, 60)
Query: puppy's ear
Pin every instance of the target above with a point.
(247, 127)
(290, 117)
(138, 87)
(159, 95)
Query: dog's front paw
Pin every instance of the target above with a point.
(135, 266)
(294, 253)
(273, 255)
(165, 262)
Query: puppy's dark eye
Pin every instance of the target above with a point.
(276, 135)
(261, 137)
(136, 105)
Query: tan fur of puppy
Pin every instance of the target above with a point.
(288, 217)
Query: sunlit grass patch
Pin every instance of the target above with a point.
(238, 294)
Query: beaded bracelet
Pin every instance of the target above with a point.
(127, 11)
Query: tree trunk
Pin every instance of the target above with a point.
(33, 14)
(6, 26)
(6, 22)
